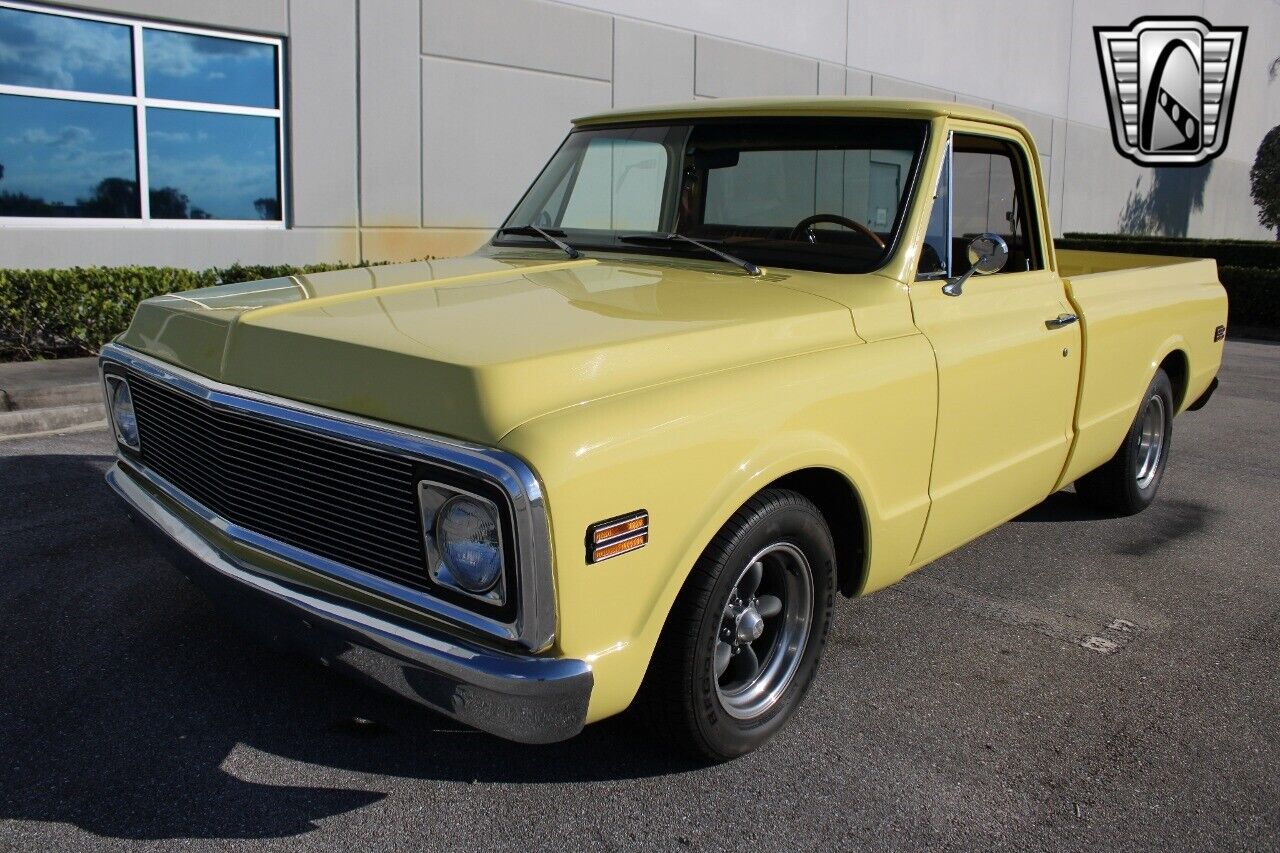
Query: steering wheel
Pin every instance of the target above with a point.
(808, 222)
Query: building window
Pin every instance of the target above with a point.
(129, 122)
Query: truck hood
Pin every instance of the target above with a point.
(472, 347)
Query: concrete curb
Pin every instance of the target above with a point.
(69, 430)
(26, 421)
(79, 394)
(45, 396)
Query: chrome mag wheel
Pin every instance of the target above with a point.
(1151, 441)
(763, 630)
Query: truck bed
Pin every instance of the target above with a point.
(1077, 263)
(1131, 307)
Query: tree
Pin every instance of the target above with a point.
(267, 208)
(1264, 180)
(168, 203)
(21, 204)
(112, 197)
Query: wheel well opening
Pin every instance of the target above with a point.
(1179, 372)
(836, 499)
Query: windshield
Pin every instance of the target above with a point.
(815, 194)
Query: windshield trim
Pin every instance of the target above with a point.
(581, 238)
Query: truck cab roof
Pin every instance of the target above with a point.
(833, 106)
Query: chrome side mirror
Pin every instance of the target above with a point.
(988, 253)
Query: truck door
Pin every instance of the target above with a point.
(1007, 347)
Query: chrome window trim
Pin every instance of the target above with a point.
(535, 622)
(951, 196)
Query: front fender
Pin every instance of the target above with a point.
(692, 453)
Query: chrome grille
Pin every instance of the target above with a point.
(345, 502)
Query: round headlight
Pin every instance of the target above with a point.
(122, 413)
(467, 533)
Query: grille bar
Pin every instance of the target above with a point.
(323, 491)
(351, 504)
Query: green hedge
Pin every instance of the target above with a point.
(1254, 296)
(1248, 269)
(70, 312)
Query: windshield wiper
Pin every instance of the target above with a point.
(535, 231)
(750, 268)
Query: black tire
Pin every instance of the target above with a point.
(1120, 486)
(683, 699)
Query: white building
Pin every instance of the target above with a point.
(202, 132)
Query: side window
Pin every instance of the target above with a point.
(990, 189)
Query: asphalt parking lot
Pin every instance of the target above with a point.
(1069, 681)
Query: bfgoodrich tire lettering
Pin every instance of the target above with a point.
(773, 562)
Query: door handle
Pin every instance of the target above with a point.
(1060, 321)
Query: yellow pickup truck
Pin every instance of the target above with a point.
(724, 362)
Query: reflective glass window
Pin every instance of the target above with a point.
(57, 52)
(67, 158)
(112, 118)
(212, 165)
(188, 67)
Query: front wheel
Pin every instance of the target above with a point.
(1128, 482)
(743, 640)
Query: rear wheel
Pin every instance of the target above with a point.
(743, 640)
(1127, 484)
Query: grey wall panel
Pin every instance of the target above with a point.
(1040, 125)
(1258, 99)
(1227, 210)
(1057, 175)
(520, 33)
(1012, 51)
(322, 88)
(193, 248)
(891, 87)
(412, 244)
(830, 79)
(503, 77)
(1086, 100)
(727, 70)
(1046, 173)
(1105, 192)
(857, 83)
(812, 28)
(651, 64)
(268, 17)
(390, 114)
(487, 131)
(1102, 185)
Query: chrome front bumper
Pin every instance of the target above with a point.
(519, 697)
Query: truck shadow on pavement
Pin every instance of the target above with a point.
(1165, 524)
(133, 710)
(1062, 506)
